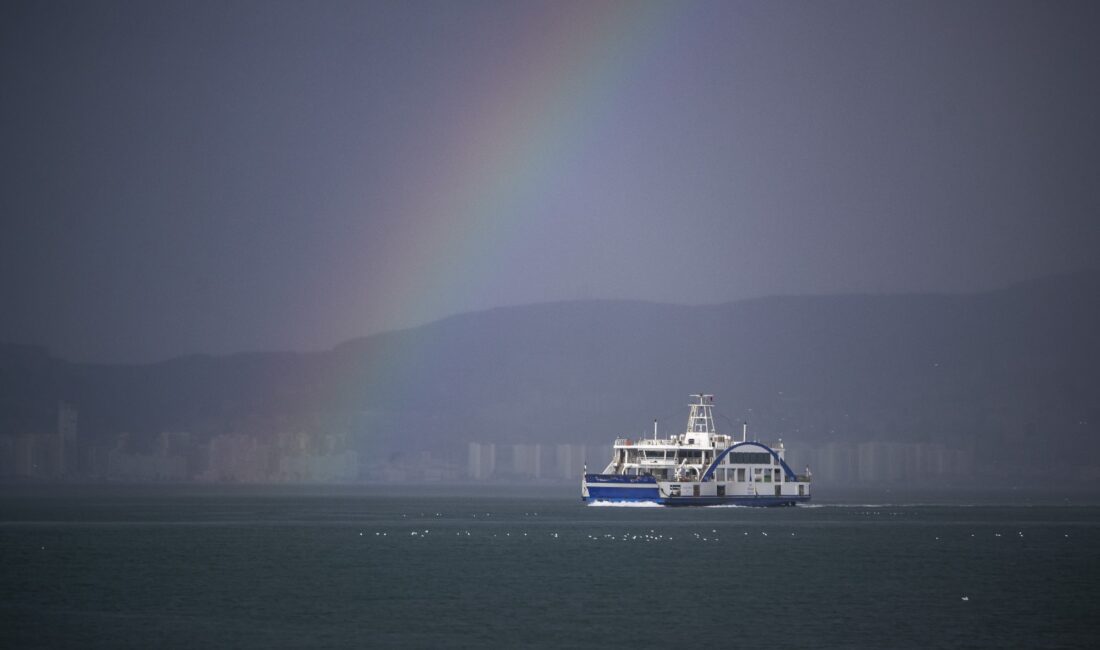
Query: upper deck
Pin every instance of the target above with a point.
(699, 450)
(681, 441)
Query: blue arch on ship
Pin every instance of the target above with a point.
(718, 459)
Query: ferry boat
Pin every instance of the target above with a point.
(697, 468)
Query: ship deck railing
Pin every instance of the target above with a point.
(643, 442)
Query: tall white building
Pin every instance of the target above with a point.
(480, 460)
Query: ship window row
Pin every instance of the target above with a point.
(738, 475)
(731, 475)
(733, 458)
(749, 458)
(685, 453)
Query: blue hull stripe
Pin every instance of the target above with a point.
(600, 493)
(762, 502)
(623, 494)
(620, 479)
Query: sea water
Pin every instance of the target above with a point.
(191, 568)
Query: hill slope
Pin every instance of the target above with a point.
(983, 370)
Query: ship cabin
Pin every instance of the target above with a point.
(689, 456)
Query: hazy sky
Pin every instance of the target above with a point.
(212, 177)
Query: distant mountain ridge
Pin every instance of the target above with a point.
(995, 371)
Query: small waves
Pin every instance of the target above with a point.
(886, 505)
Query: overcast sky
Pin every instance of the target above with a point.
(215, 177)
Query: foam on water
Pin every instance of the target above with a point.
(625, 504)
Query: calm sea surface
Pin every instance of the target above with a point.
(94, 568)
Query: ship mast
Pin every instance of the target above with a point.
(701, 419)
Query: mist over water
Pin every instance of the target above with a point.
(180, 567)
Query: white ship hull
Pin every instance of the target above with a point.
(604, 487)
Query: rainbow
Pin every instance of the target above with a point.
(539, 115)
